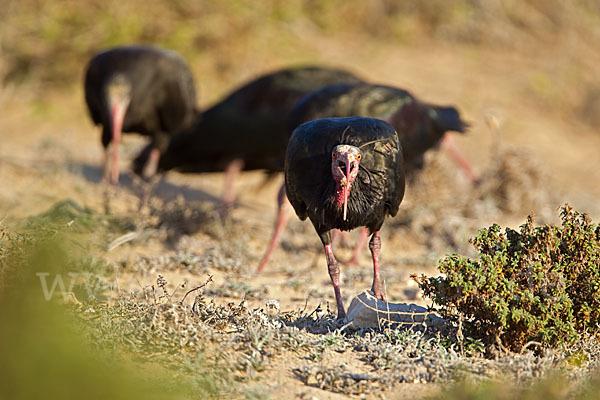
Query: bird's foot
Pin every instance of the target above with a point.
(224, 210)
(145, 188)
(151, 166)
(109, 191)
(378, 291)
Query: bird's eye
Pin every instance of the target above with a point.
(334, 155)
(359, 156)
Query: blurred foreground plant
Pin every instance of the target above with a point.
(536, 284)
(45, 346)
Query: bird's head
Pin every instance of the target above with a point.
(118, 92)
(344, 168)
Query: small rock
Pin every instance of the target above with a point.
(366, 311)
(272, 306)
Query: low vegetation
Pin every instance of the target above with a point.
(176, 341)
(46, 350)
(536, 286)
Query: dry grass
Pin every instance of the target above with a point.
(241, 343)
(214, 341)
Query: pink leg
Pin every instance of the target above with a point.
(362, 239)
(458, 157)
(334, 274)
(117, 114)
(114, 178)
(283, 205)
(108, 189)
(375, 247)
(231, 173)
(106, 169)
(152, 164)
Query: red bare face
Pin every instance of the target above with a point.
(345, 161)
(118, 92)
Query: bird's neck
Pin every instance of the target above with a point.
(333, 204)
(338, 195)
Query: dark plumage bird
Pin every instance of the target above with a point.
(344, 173)
(140, 89)
(248, 130)
(420, 127)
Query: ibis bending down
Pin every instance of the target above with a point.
(344, 173)
(248, 130)
(141, 89)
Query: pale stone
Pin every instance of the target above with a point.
(272, 306)
(366, 311)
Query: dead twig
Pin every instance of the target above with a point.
(128, 237)
(531, 343)
(210, 279)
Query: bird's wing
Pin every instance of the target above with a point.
(292, 181)
(387, 167)
(397, 194)
(394, 165)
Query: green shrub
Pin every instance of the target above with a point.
(536, 284)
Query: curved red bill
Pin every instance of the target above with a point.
(346, 186)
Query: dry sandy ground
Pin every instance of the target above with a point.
(50, 152)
